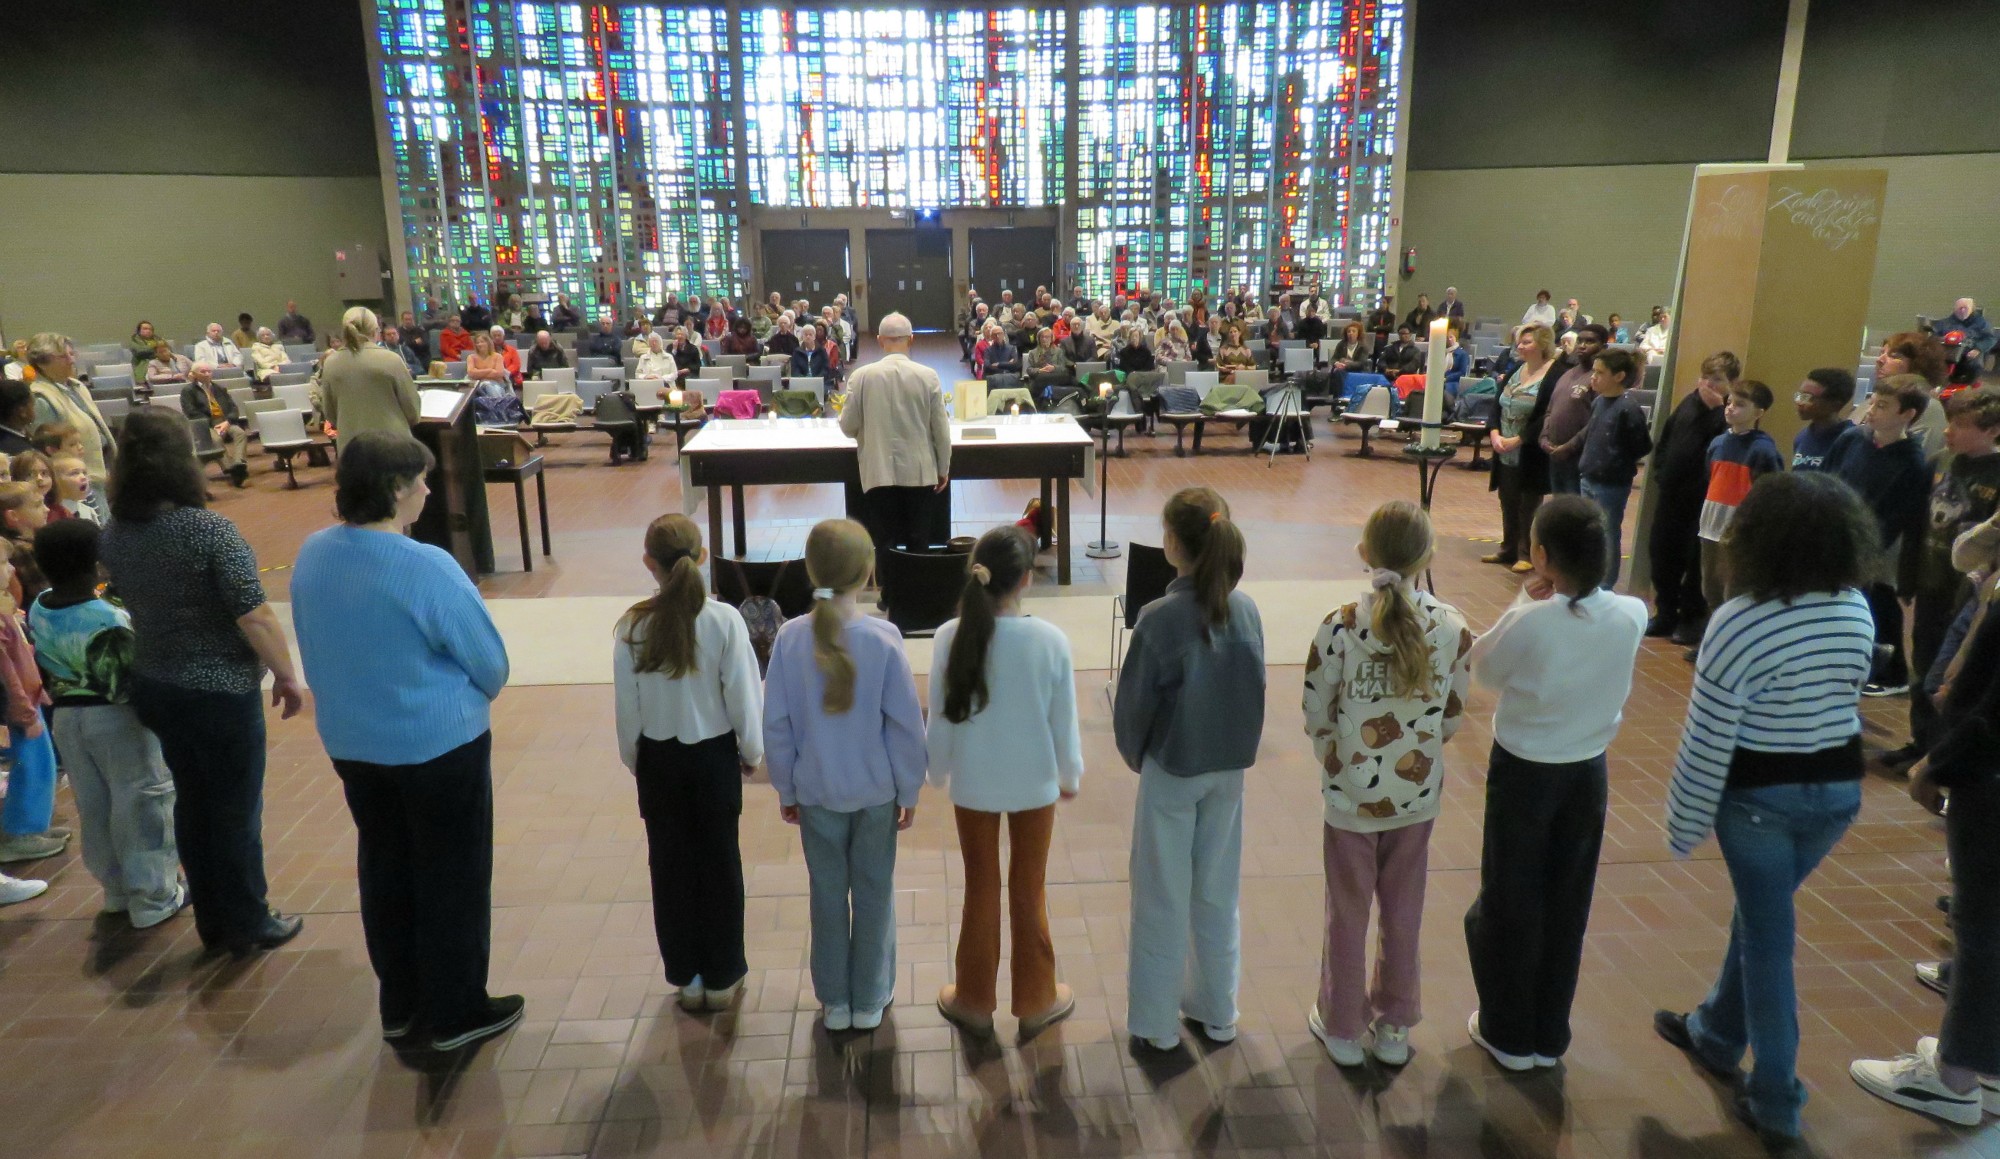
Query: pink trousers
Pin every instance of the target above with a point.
(1387, 869)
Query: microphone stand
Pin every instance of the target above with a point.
(1103, 547)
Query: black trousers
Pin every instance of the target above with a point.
(1675, 547)
(1971, 1034)
(1518, 503)
(1930, 620)
(1888, 613)
(425, 862)
(1537, 872)
(896, 516)
(213, 743)
(690, 797)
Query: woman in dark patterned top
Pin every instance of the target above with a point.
(204, 637)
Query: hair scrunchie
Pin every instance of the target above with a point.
(982, 573)
(822, 593)
(1384, 577)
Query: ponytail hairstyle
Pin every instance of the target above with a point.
(1198, 518)
(999, 560)
(1570, 529)
(358, 328)
(839, 557)
(1398, 541)
(661, 628)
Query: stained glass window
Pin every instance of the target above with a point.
(610, 151)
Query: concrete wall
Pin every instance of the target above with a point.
(181, 163)
(91, 254)
(1610, 235)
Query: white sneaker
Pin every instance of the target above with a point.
(1912, 1081)
(837, 1018)
(13, 889)
(1163, 1045)
(866, 1019)
(1219, 1031)
(693, 994)
(1392, 1044)
(179, 903)
(1513, 1062)
(1989, 1089)
(1544, 1062)
(720, 999)
(1343, 1051)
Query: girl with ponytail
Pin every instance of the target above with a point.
(1561, 658)
(845, 739)
(1004, 740)
(1385, 689)
(1189, 713)
(690, 727)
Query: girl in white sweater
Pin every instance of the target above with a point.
(1561, 658)
(1003, 739)
(690, 727)
(1385, 689)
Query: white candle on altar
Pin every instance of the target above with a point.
(1434, 385)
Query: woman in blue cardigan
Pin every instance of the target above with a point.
(404, 663)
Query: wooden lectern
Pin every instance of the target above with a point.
(454, 515)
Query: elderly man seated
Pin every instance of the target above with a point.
(216, 350)
(266, 355)
(603, 342)
(393, 341)
(1975, 334)
(203, 399)
(454, 341)
(545, 355)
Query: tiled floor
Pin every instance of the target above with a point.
(131, 1045)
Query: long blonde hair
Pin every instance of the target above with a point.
(358, 328)
(839, 557)
(661, 628)
(1398, 539)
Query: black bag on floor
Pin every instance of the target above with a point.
(1291, 443)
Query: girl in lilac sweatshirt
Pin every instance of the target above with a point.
(844, 739)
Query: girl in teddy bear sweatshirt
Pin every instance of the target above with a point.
(1385, 688)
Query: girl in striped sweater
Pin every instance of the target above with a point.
(1770, 759)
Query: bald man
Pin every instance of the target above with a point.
(895, 412)
(1966, 320)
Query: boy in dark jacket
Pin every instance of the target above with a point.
(1680, 471)
(1613, 443)
(1881, 462)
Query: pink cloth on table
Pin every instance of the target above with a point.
(739, 404)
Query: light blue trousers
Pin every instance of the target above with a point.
(125, 803)
(851, 863)
(1187, 858)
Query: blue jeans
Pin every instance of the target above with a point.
(1610, 499)
(1187, 862)
(31, 785)
(1771, 839)
(851, 864)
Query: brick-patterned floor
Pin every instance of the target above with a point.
(131, 1045)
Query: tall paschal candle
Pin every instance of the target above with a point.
(1434, 384)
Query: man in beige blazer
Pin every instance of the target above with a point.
(895, 412)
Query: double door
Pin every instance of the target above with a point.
(807, 263)
(909, 272)
(1013, 259)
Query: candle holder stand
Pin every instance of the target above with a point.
(1430, 461)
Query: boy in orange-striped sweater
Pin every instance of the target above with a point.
(1737, 458)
